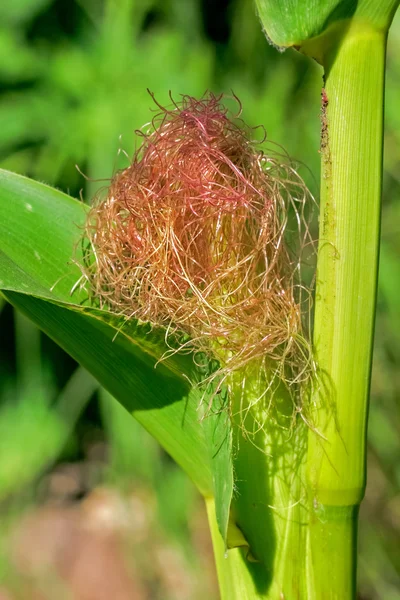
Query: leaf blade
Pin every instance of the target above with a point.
(290, 23)
(125, 353)
(163, 404)
(37, 219)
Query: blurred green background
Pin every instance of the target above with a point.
(73, 81)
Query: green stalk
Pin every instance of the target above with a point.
(352, 118)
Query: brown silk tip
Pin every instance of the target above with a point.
(191, 237)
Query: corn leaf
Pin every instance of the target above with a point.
(40, 229)
(290, 23)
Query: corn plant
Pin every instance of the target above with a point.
(186, 305)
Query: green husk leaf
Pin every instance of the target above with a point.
(218, 432)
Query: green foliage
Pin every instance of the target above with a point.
(37, 276)
(76, 87)
(122, 358)
(293, 22)
(17, 467)
(44, 426)
(20, 11)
